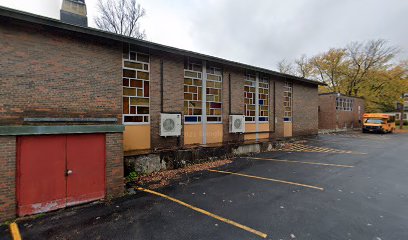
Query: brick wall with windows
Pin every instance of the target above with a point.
(340, 111)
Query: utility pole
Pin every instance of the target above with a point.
(402, 115)
(400, 107)
(403, 102)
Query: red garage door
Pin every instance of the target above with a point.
(59, 170)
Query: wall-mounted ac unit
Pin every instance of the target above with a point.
(170, 124)
(237, 124)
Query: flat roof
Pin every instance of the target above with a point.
(41, 20)
(343, 95)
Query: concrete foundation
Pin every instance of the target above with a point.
(173, 159)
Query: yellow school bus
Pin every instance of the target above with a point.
(378, 122)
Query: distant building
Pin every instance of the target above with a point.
(397, 115)
(340, 111)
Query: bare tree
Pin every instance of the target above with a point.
(303, 67)
(121, 17)
(285, 67)
(363, 58)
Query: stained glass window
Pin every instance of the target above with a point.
(250, 97)
(263, 99)
(214, 94)
(192, 92)
(287, 101)
(193, 87)
(135, 82)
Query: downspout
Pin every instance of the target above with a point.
(229, 94)
(161, 85)
(257, 106)
(204, 102)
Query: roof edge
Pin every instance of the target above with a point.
(41, 20)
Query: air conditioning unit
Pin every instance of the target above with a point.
(237, 124)
(170, 125)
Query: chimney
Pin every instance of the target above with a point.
(74, 12)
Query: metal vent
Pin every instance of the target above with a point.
(169, 125)
(237, 123)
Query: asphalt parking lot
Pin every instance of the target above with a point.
(334, 186)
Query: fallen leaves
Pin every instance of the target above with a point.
(163, 178)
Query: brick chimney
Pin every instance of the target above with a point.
(74, 12)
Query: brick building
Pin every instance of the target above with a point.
(69, 90)
(339, 111)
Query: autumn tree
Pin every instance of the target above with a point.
(120, 17)
(329, 67)
(362, 69)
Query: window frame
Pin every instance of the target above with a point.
(288, 88)
(149, 81)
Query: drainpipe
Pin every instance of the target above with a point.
(257, 106)
(204, 102)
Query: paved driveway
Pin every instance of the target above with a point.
(357, 190)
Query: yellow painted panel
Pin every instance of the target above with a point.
(251, 127)
(136, 137)
(214, 133)
(263, 127)
(287, 129)
(193, 134)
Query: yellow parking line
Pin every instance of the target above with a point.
(14, 231)
(268, 179)
(294, 161)
(238, 225)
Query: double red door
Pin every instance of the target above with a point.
(55, 171)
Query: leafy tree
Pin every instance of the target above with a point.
(121, 17)
(328, 67)
(362, 69)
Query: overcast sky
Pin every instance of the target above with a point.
(259, 32)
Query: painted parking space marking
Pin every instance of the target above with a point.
(357, 136)
(268, 179)
(296, 147)
(302, 162)
(15, 233)
(238, 225)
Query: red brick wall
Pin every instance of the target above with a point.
(54, 74)
(327, 111)
(279, 83)
(237, 77)
(305, 109)
(173, 97)
(7, 177)
(114, 164)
